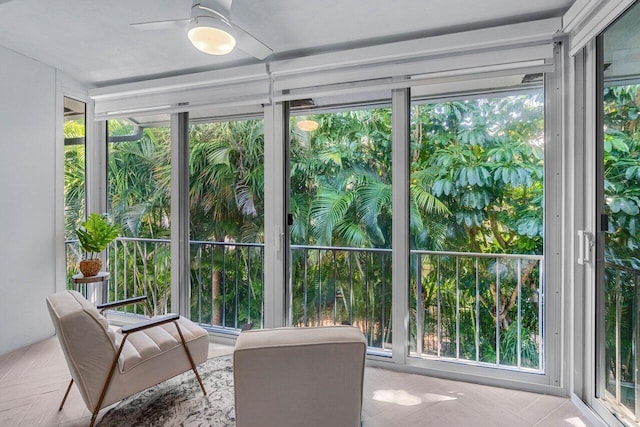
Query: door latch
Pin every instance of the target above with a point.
(585, 243)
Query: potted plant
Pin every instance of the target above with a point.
(94, 235)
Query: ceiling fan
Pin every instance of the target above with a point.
(211, 30)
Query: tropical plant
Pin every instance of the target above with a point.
(96, 233)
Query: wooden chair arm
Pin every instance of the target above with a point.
(159, 320)
(120, 303)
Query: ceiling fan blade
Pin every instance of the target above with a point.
(249, 44)
(160, 25)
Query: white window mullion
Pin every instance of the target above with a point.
(275, 231)
(96, 179)
(400, 99)
(180, 251)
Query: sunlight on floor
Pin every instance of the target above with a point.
(403, 398)
(575, 421)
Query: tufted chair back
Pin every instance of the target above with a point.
(86, 340)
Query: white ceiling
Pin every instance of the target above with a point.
(92, 41)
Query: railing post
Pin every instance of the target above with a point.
(519, 315)
(419, 307)
(457, 307)
(617, 334)
(497, 311)
(477, 328)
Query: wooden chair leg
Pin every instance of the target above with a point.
(107, 382)
(64, 399)
(193, 365)
(94, 416)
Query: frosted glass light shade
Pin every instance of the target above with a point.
(212, 36)
(307, 125)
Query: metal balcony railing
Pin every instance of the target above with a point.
(479, 308)
(467, 307)
(622, 337)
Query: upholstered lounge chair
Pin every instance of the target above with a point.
(107, 365)
(291, 377)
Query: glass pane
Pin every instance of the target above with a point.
(340, 202)
(476, 203)
(74, 179)
(621, 204)
(138, 198)
(226, 211)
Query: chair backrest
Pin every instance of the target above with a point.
(291, 377)
(88, 345)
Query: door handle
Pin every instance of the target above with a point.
(279, 237)
(585, 243)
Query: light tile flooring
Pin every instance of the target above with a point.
(33, 380)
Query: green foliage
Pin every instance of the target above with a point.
(96, 233)
(483, 159)
(621, 152)
(621, 173)
(476, 184)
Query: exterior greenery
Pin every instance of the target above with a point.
(476, 186)
(622, 257)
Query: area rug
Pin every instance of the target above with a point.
(180, 402)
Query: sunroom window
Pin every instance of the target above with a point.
(477, 229)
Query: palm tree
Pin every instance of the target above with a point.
(226, 193)
(138, 177)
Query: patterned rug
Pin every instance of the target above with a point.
(179, 401)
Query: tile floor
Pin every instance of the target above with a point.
(33, 380)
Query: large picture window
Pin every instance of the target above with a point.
(340, 228)
(74, 179)
(476, 203)
(226, 219)
(138, 199)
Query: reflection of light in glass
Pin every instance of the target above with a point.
(307, 125)
(609, 200)
(537, 142)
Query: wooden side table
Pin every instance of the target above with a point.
(102, 278)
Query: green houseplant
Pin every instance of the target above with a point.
(94, 235)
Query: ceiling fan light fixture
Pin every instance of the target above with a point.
(307, 125)
(211, 35)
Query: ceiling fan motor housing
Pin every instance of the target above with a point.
(218, 9)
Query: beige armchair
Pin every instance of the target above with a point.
(107, 365)
(291, 377)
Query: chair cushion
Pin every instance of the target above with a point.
(291, 377)
(146, 344)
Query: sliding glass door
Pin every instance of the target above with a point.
(226, 222)
(618, 198)
(340, 217)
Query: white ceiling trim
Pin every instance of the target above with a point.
(588, 18)
(445, 82)
(389, 75)
(496, 38)
(500, 48)
(188, 81)
(230, 95)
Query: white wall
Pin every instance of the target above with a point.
(28, 105)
